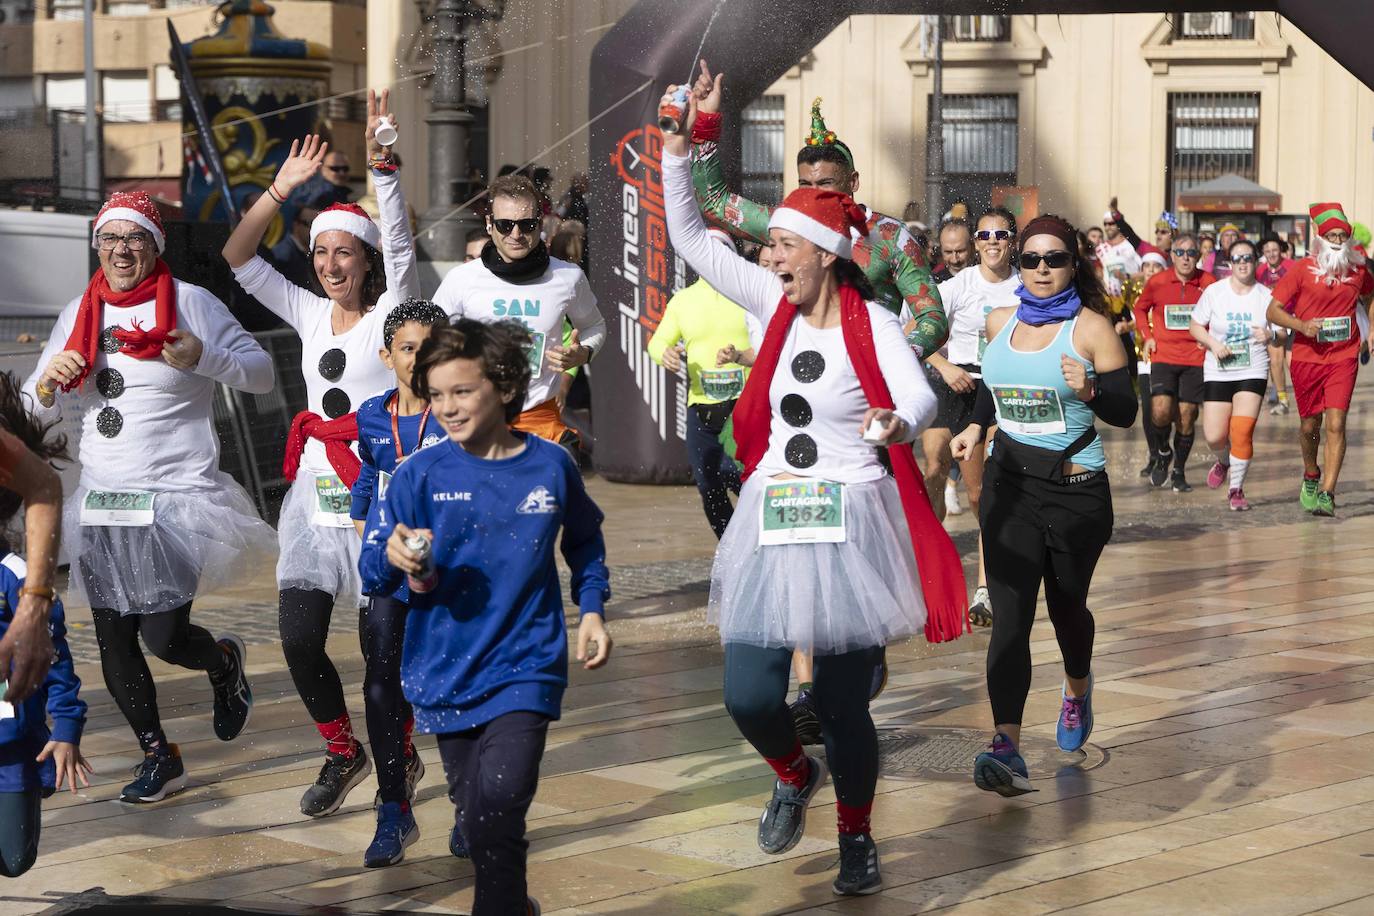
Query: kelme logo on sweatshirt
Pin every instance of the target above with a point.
(539, 502)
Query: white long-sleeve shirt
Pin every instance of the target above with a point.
(817, 402)
(471, 290)
(145, 425)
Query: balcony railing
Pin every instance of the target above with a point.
(1217, 26)
(975, 28)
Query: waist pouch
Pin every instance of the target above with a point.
(1033, 461)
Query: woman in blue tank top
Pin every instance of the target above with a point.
(1053, 365)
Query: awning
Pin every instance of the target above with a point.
(1230, 194)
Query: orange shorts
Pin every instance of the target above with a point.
(545, 421)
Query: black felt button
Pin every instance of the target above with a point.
(808, 365)
(336, 403)
(332, 365)
(109, 422)
(109, 382)
(800, 451)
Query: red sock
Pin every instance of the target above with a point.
(338, 735)
(1307, 476)
(794, 769)
(853, 818)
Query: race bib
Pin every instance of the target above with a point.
(6, 709)
(535, 352)
(722, 384)
(1031, 410)
(333, 500)
(802, 512)
(1334, 330)
(383, 481)
(117, 508)
(1239, 358)
(1177, 317)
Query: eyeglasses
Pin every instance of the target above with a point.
(338, 169)
(527, 226)
(136, 241)
(1053, 259)
(1186, 252)
(1164, 230)
(1243, 259)
(988, 235)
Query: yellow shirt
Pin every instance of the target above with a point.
(705, 321)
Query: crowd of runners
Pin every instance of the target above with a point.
(836, 389)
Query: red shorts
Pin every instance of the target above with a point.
(1323, 386)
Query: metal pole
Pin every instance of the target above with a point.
(449, 122)
(92, 179)
(935, 136)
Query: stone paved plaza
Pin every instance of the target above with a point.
(1231, 770)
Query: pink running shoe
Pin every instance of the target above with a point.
(1238, 501)
(1217, 475)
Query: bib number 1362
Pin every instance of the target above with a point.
(802, 512)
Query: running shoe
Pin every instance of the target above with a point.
(784, 817)
(859, 870)
(1149, 468)
(1075, 719)
(805, 718)
(233, 696)
(458, 844)
(980, 611)
(533, 905)
(1238, 501)
(1326, 505)
(1160, 475)
(158, 776)
(396, 829)
(1278, 410)
(1180, 483)
(952, 506)
(337, 778)
(1000, 769)
(1217, 475)
(879, 682)
(1307, 496)
(415, 771)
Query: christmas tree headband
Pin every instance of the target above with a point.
(820, 136)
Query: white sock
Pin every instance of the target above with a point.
(1238, 468)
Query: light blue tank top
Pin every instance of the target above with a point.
(1035, 405)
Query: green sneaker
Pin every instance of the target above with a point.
(1308, 494)
(1326, 505)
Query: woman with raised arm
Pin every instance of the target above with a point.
(364, 270)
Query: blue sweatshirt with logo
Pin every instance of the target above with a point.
(24, 728)
(490, 638)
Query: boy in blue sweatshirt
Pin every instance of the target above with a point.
(391, 428)
(485, 661)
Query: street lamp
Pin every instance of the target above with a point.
(449, 120)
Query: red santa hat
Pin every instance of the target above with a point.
(828, 219)
(350, 218)
(1328, 216)
(136, 207)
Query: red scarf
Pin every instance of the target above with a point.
(138, 343)
(942, 574)
(335, 434)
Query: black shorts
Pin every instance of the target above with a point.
(1183, 383)
(1224, 391)
(953, 411)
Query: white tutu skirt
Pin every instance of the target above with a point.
(822, 598)
(199, 540)
(316, 556)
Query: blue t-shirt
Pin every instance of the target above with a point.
(377, 450)
(490, 638)
(22, 737)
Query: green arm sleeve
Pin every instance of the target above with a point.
(740, 217)
(917, 287)
(567, 342)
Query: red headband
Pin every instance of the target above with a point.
(1052, 225)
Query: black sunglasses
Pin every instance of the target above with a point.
(1243, 259)
(527, 226)
(1030, 260)
(1186, 252)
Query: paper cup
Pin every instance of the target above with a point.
(386, 131)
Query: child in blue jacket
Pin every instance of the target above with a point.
(485, 661)
(391, 428)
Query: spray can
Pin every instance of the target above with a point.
(428, 576)
(672, 109)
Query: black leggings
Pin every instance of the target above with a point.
(756, 698)
(303, 619)
(170, 636)
(20, 821)
(1033, 531)
(382, 630)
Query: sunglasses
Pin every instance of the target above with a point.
(1030, 260)
(1243, 259)
(989, 235)
(1186, 252)
(526, 226)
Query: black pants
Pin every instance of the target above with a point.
(1147, 422)
(756, 698)
(492, 773)
(1033, 531)
(382, 630)
(715, 472)
(170, 636)
(20, 820)
(303, 620)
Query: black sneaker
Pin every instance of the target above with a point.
(1146, 471)
(784, 817)
(805, 719)
(859, 871)
(1160, 474)
(158, 776)
(1179, 482)
(458, 844)
(337, 778)
(233, 696)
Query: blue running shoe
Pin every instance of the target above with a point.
(158, 776)
(1075, 720)
(1001, 769)
(396, 829)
